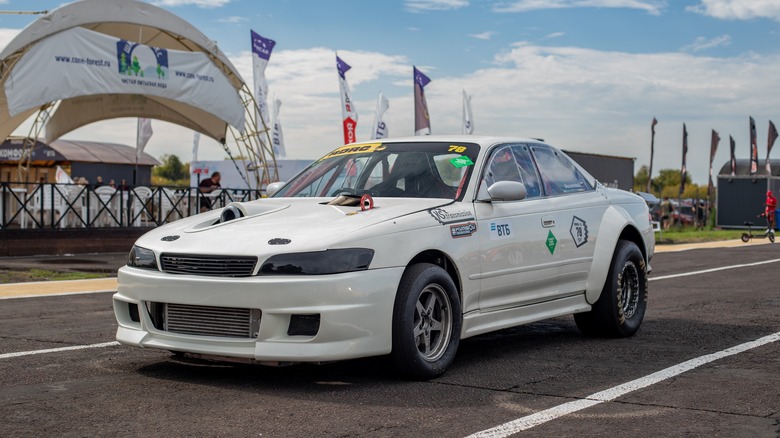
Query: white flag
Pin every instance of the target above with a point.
(278, 135)
(261, 53)
(348, 112)
(468, 121)
(195, 142)
(144, 134)
(62, 177)
(380, 128)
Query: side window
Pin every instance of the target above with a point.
(502, 167)
(528, 171)
(558, 173)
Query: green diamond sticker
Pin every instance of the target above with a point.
(461, 162)
(551, 241)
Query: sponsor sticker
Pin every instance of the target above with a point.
(461, 161)
(551, 241)
(463, 230)
(445, 217)
(500, 231)
(355, 149)
(579, 231)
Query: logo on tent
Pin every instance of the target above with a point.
(138, 60)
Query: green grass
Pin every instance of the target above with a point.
(45, 275)
(692, 235)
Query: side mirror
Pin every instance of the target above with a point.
(274, 187)
(503, 191)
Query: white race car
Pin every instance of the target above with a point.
(398, 247)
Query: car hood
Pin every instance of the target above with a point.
(272, 226)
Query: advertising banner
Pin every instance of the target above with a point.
(81, 62)
(348, 112)
(261, 54)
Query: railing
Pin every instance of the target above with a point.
(25, 206)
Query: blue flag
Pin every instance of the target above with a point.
(422, 121)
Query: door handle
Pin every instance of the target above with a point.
(548, 222)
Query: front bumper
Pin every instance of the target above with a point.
(355, 313)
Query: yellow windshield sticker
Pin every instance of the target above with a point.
(355, 149)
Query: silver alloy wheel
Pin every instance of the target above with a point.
(629, 289)
(432, 322)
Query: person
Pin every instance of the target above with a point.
(769, 211)
(208, 185)
(666, 212)
(700, 216)
(98, 182)
(112, 184)
(123, 185)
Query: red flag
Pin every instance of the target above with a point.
(753, 148)
(769, 143)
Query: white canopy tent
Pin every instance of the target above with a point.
(104, 59)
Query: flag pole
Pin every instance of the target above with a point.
(652, 151)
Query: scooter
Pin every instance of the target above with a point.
(769, 233)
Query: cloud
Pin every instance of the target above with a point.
(233, 20)
(483, 35)
(434, 5)
(207, 4)
(554, 35)
(653, 7)
(702, 43)
(738, 9)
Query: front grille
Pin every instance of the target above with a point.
(212, 266)
(226, 322)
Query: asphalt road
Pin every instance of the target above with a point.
(496, 378)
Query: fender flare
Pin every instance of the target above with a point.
(613, 223)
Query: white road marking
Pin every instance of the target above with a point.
(56, 350)
(706, 271)
(610, 394)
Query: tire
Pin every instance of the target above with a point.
(619, 311)
(427, 320)
(771, 237)
(745, 237)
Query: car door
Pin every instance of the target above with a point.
(577, 208)
(518, 239)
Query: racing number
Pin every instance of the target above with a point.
(457, 149)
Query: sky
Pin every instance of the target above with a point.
(584, 75)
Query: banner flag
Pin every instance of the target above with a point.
(468, 121)
(144, 134)
(684, 170)
(79, 62)
(733, 159)
(753, 148)
(769, 143)
(713, 150)
(62, 177)
(349, 114)
(380, 128)
(261, 54)
(195, 144)
(278, 136)
(422, 121)
(652, 152)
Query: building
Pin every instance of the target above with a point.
(78, 158)
(611, 171)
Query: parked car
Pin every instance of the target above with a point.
(683, 213)
(398, 247)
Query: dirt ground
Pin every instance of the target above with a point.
(59, 267)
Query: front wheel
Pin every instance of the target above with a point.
(771, 236)
(621, 307)
(427, 321)
(745, 237)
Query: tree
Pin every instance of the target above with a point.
(172, 169)
(640, 179)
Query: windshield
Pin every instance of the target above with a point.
(411, 170)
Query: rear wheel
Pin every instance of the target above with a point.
(621, 307)
(427, 321)
(745, 237)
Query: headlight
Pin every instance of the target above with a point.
(141, 258)
(332, 261)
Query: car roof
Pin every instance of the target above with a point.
(482, 140)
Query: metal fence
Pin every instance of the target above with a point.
(31, 206)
